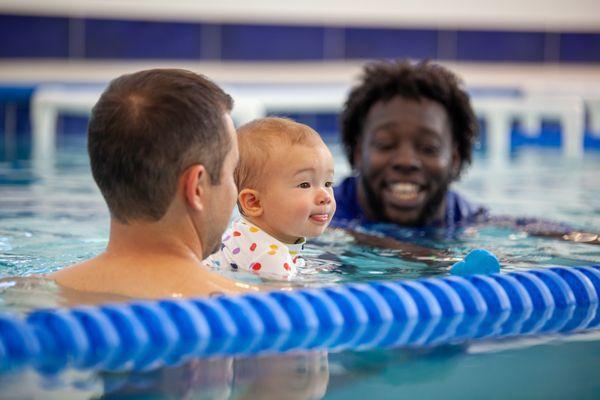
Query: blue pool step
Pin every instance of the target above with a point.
(424, 312)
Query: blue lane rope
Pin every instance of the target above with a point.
(144, 334)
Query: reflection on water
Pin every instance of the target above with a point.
(548, 367)
(55, 216)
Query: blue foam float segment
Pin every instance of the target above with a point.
(593, 274)
(375, 304)
(104, 341)
(473, 300)
(223, 329)
(493, 293)
(133, 335)
(250, 324)
(582, 284)
(162, 333)
(541, 296)
(450, 301)
(425, 300)
(191, 325)
(61, 338)
(519, 297)
(302, 316)
(478, 261)
(18, 344)
(402, 304)
(561, 292)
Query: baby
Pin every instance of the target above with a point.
(284, 180)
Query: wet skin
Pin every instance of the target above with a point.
(406, 160)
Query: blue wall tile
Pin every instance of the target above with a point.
(271, 42)
(500, 46)
(34, 37)
(549, 135)
(326, 124)
(580, 47)
(391, 43)
(113, 39)
(70, 124)
(591, 142)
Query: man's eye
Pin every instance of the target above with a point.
(304, 185)
(430, 150)
(328, 184)
(383, 145)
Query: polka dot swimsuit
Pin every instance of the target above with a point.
(245, 246)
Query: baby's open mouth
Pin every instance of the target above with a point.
(322, 218)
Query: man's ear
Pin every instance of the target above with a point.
(249, 200)
(456, 161)
(195, 181)
(357, 155)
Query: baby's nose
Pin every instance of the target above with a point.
(324, 197)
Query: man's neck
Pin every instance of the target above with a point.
(152, 239)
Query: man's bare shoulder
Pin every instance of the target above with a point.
(78, 274)
(144, 279)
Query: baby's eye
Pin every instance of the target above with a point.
(328, 184)
(304, 185)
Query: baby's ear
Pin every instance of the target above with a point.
(249, 200)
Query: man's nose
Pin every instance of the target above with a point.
(406, 157)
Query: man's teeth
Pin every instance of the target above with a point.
(405, 191)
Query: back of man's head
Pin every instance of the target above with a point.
(146, 129)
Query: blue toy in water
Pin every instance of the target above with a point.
(478, 261)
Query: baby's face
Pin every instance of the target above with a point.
(297, 196)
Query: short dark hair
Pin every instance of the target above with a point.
(384, 80)
(146, 129)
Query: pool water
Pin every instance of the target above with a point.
(52, 215)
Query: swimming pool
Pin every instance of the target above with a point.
(54, 216)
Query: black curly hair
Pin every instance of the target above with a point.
(384, 80)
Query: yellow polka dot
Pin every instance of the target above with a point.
(272, 252)
(293, 252)
(254, 229)
(274, 246)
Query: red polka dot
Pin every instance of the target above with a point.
(295, 259)
(255, 266)
(237, 233)
(286, 266)
(253, 247)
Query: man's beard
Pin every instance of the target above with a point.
(428, 213)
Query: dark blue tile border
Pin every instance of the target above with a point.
(109, 39)
(580, 47)
(272, 42)
(365, 43)
(34, 37)
(500, 46)
(63, 37)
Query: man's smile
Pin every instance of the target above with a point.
(405, 194)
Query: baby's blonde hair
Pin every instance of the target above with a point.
(258, 138)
